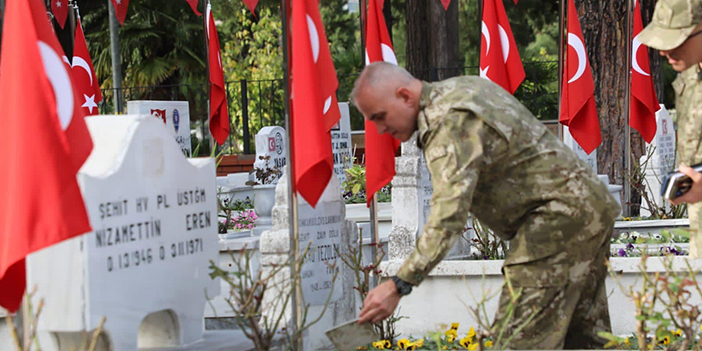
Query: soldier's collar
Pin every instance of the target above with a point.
(424, 101)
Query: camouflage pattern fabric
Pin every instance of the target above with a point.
(688, 106)
(488, 155)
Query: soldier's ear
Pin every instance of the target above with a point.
(404, 94)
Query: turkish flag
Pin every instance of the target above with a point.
(251, 5)
(380, 149)
(120, 9)
(314, 105)
(499, 58)
(193, 5)
(40, 201)
(60, 10)
(219, 112)
(578, 110)
(87, 86)
(644, 102)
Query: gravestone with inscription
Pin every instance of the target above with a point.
(341, 143)
(411, 204)
(590, 159)
(324, 234)
(145, 264)
(662, 158)
(271, 141)
(174, 114)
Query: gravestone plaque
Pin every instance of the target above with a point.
(664, 142)
(320, 231)
(590, 159)
(271, 141)
(154, 219)
(341, 143)
(174, 114)
(425, 191)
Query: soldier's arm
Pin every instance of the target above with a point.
(454, 155)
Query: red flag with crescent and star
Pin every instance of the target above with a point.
(314, 106)
(60, 10)
(499, 58)
(193, 5)
(380, 149)
(38, 104)
(121, 7)
(578, 110)
(219, 111)
(644, 102)
(87, 86)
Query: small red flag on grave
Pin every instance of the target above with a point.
(644, 102)
(578, 110)
(40, 201)
(193, 5)
(120, 9)
(87, 86)
(380, 149)
(219, 111)
(314, 106)
(499, 58)
(60, 10)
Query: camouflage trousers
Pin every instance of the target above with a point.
(566, 310)
(694, 212)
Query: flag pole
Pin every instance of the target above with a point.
(208, 12)
(375, 238)
(297, 341)
(116, 60)
(627, 107)
(561, 60)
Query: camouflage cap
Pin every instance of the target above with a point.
(672, 22)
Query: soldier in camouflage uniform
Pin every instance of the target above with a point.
(488, 155)
(676, 30)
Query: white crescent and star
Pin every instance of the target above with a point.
(60, 83)
(388, 54)
(634, 62)
(314, 44)
(504, 41)
(577, 44)
(504, 44)
(80, 62)
(486, 34)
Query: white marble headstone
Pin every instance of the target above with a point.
(174, 114)
(662, 158)
(341, 143)
(590, 159)
(154, 219)
(271, 141)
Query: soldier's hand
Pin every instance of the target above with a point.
(380, 303)
(695, 193)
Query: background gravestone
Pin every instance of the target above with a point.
(145, 264)
(590, 159)
(662, 161)
(271, 141)
(341, 143)
(175, 114)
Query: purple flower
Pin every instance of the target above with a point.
(629, 247)
(622, 253)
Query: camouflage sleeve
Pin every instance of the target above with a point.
(454, 153)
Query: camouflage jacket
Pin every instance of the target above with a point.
(488, 155)
(688, 106)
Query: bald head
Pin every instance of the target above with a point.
(381, 78)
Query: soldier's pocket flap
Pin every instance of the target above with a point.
(679, 85)
(543, 273)
(436, 153)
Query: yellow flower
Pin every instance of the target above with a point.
(465, 342)
(678, 333)
(450, 338)
(403, 343)
(473, 347)
(488, 343)
(627, 341)
(382, 344)
(451, 334)
(471, 332)
(361, 348)
(665, 340)
(454, 326)
(419, 342)
(411, 346)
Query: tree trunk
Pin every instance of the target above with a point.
(432, 39)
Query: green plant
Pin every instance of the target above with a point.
(364, 275)
(354, 186)
(265, 175)
(260, 320)
(667, 312)
(227, 208)
(489, 245)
